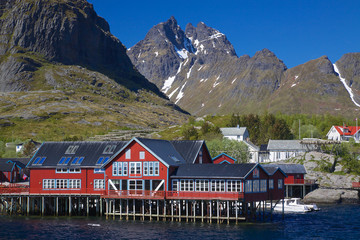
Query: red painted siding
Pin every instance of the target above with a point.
(257, 196)
(223, 159)
(276, 193)
(296, 178)
(136, 148)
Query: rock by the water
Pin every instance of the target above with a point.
(332, 196)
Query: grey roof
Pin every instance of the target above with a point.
(213, 170)
(233, 131)
(283, 145)
(5, 166)
(21, 162)
(163, 149)
(250, 144)
(189, 150)
(91, 151)
(289, 168)
(270, 169)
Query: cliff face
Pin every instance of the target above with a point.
(62, 31)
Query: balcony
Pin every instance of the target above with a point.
(135, 194)
(299, 181)
(204, 195)
(356, 185)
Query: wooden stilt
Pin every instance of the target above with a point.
(157, 210)
(150, 209)
(42, 206)
(228, 212)
(57, 206)
(101, 206)
(127, 209)
(210, 211)
(134, 209)
(187, 210)
(143, 209)
(172, 210)
(202, 210)
(28, 206)
(87, 206)
(164, 213)
(236, 211)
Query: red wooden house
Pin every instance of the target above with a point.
(223, 158)
(12, 169)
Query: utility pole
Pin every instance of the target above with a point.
(299, 130)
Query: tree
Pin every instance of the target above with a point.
(190, 133)
(235, 149)
(28, 148)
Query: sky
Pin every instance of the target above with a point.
(296, 31)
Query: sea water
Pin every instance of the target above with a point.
(332, 222)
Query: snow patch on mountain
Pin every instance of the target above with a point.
(156, 54)
(188, 74)
(346, 86)
(178, 71)
(183, 53)
(167, 84)
(200, 68)
(173, 92)
(293, 85)
(180, 94)
(233, 81)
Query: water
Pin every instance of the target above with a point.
(332, 222)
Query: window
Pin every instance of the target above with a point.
(67, 160)
(75, 183)
(280, 184)
(151, 168)
(62, 170)
(142, 155)
(37, 160)
(74, 160)
(135, 184)
(271, 183)
(138, 168)
(42, 160)
(102, 160)
(119, 173)
(132, 168)
(135, 168)
(75, 170)
(234, 186)
(248, 186)
(175, 159)
(128, 154)
(218, 185)
(125, 167)
(109, 149)
(72, 149)
(187, 185)
(61, 183)
(175, 185)
(99, 170)
(64, 161)
(287, 154)
(115, 169)
(99, 184)
(256, 186)
(277, 155)
(146, 169)
(263, 185)
(202, 185)
(156, 168)
(49, 183)
(256, 173)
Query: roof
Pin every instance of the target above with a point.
(188, 149)
(347, 130)
(233, 131)
(263, 148)
(288, 168)
(5, 165)
(289, 145)
(21, 162)
(213, 170)
(251, 145)
(163, 149)
(91, 151)
(224, 154)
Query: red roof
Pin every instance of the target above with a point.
(348, 130)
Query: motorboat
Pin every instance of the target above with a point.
(297, 201)
(290, 206)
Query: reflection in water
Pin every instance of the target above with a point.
(332, 222)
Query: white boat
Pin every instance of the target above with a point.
(296, 201)
(290, 206)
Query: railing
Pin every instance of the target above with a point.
(356, 184)
(294, 181)
(14, 190)
(310, 181)
(136, 194)
(203, 195)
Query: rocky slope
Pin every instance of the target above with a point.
(200, 71)
(58, 60)
(333, 187)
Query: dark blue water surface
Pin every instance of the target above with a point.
(332, 222)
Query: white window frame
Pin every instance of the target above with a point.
(256, 186)
(99, 184)
(218, 185)
(175, 185)
(234, 186)
(263, 185)
(146, 168)
(61, 183)
(128, 154)
(74, 170)
(74, 183)
(280, 183)
(115, 169)
(125, 169)
(135, 184)
(156, 169)
(248, 186)
(142, 155)
(271, 183)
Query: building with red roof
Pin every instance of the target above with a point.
(343, 133)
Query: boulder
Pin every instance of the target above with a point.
(332, 196)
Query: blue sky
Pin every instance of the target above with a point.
(296, 31)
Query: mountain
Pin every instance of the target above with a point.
(199, 70)
(59, 61)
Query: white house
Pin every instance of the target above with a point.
(235, 133)
(283, 149)
(343, 133)
(241, 134)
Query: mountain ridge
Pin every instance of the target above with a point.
(214, 80)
